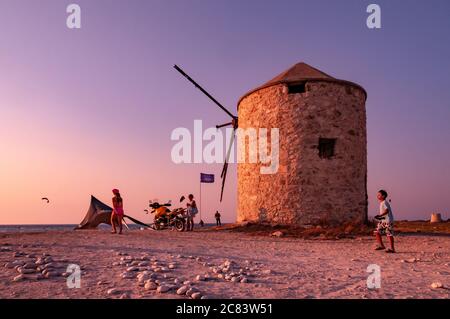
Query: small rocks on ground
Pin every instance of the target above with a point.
(191, 291)
(437, 285)
(150, 285)
(277, 234)
(127, 275)
(114, 291)
(163, 289)
(23, 270)
(182, 290)
(196, 295)
(20, 277)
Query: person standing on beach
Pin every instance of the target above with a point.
(191, 212)
(218, 222)
(117, 213)
(385, 223)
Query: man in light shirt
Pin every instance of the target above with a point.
(385, 223)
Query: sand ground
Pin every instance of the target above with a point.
(274, 267)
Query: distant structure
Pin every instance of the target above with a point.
(322, 175)
(436, 218)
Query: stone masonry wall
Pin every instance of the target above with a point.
(307, 189)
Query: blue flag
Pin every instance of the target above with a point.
(206, 178)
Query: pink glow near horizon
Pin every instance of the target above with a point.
(85, 111)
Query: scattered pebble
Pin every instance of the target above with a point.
(437, 285)
(113, 291)
(150, 285)
(277, 234)
(196, 295)
(29, 266)
(182, 290)
(411, 260)
(127, 275)
(20, 277)
(48, 259)
(51, 274)
(163, 289)
(26, 271)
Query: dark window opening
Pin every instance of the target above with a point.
(326, 147)
(297, 88)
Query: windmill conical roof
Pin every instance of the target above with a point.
(300, 72)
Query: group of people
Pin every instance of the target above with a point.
(118, 212)
(385, 218)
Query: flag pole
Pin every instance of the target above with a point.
(200, 198)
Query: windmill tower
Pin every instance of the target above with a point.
(322, 173)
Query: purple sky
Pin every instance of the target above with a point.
(83, 111)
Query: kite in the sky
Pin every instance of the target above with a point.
(45, 198)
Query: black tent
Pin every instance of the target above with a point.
(100, 213)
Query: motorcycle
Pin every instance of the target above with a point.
(166, 218)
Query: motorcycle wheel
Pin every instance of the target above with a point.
(179, 225)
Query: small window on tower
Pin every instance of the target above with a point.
(326, 147)
(297, 88)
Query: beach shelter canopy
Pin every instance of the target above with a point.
(98, 213)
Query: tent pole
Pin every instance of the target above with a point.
(200, 198)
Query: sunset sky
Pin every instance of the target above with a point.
(85, 111)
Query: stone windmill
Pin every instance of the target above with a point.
(323, 150)
(322, 175)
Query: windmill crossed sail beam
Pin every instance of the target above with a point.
(233, 123)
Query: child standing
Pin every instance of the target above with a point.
(385, 223)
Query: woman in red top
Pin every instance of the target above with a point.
(117, 213)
